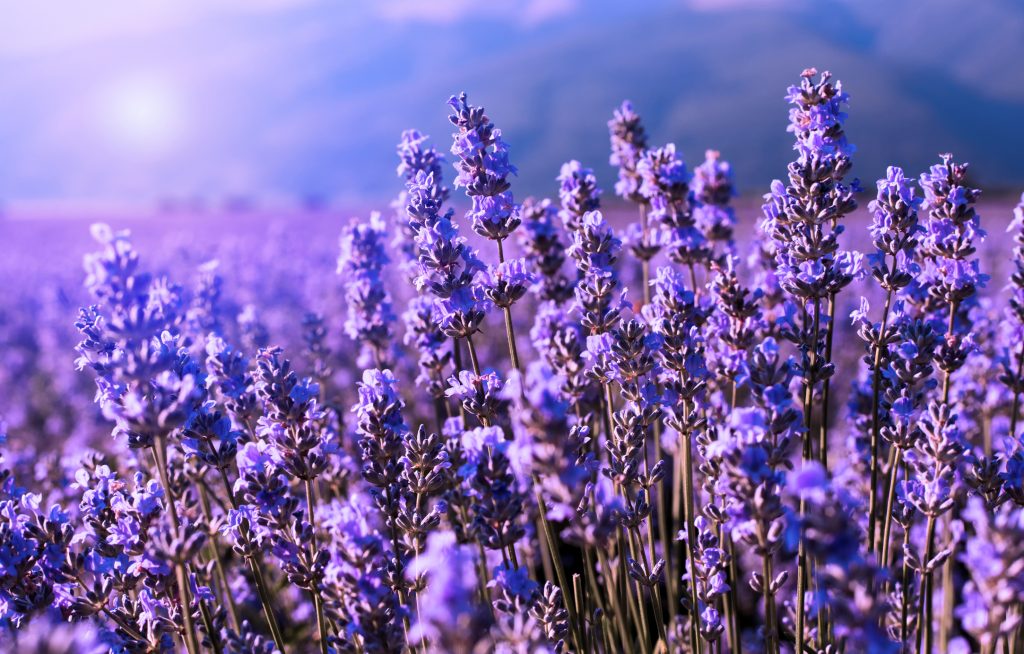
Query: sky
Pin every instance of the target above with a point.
(301, 100)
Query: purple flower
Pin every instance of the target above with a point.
(816, 118)
(952, 230)
(479, 394)
(380, 426)
(260, 479)
(578, 192)
(507, 282)
(422, 330)
(665, 185)
(803, 217)
(448, 266)
(415, 156)
(361, 265)
(450, 613)
(713, 190)
(541, 240)
(595, 249)
(628, 142)
(483, 168)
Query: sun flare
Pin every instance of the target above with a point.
(142, 115)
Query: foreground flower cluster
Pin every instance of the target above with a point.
(536, 457)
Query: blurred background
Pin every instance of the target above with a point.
(205, 104)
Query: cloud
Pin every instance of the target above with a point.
(46, 26)
(446, 12)
(728, 5)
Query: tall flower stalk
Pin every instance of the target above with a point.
(484, 169)
(666, 186)
(628, 143)
(146, 383)
(370, 316)
(894, 229)
(953, 279)
(1013, 359)
(291, 427)
(677, 319)
(713, 190)
(803, 219)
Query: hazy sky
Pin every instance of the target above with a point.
(129, 99)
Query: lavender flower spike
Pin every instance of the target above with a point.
(483, 168)
(361, 265)
(628, 141)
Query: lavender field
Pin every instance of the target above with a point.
(656, 417)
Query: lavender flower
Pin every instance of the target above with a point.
(416, 159)
(507, 282)
(628, 141)
(713, 190)
(483, 168)
(361, 264)
(894, 229)
(496, 502)
(578, 193)
(479, 394)
(452, 619)
(666, 186)
(541, 240)
(803, 218)
(952, 228)
(146, 383)
(990, 558)
(595, 250)
(448, 266)
(422, 332)
(1012, 356)
(290, 421)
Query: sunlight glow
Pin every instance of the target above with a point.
(142, 115)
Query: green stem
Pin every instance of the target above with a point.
(905, 603)
(457, 360)
(801, 581)
(556, 561)
(181, 576)
(925, 623)
(1015, 407)
(659, 616)
(635, 598)
(318, 603)
(222, 578)
(691, 533)
(510, 332)
(876, 381)
(204, 613)
(255, 567)
(645, 263)
(801, 572)
(729, 600)
(895, 456)
(948, 591)
(823, 430)
(770, 627)
(613, 597)
(663, 529)
(474, 361)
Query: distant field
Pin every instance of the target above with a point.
(284, 262)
